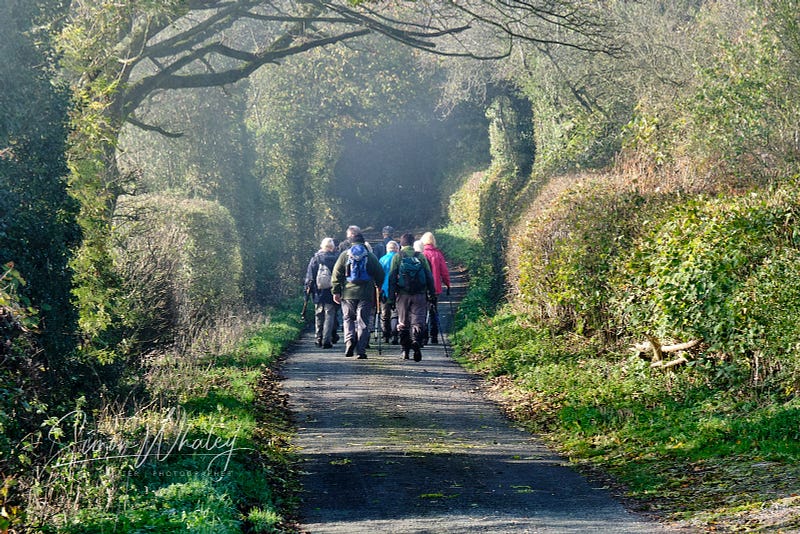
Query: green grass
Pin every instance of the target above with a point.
(689, 444)
(216, 463)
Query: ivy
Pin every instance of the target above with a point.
(710, 270)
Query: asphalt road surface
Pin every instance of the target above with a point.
(392, 445)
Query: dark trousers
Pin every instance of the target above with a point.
(433, 321)
(411, 316)
(388, 321)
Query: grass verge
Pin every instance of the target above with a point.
(695, 449)
(208, 453)
(696, 446)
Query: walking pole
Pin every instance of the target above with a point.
(378, 327)
(305, 304)
(441, 333)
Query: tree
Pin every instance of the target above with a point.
(122, 54)
(37, 229)
(299, 133)
(37, 217)
(213, 161)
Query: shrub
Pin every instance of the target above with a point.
(711, 270)
(464, 208)
(767, 315)
(567, 249)
(180, 262)
(21, 391)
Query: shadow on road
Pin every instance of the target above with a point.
(390, 445)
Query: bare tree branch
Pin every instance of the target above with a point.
(193, 47)
(152, 128)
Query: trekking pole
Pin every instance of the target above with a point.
(378, 325)
(305, 304)
(442, 334)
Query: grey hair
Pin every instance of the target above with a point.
(392, 246)
(327, 244)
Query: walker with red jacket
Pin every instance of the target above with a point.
(441, 275)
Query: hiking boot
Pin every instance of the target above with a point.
(362, 357)
(335, 338)
(417, 354)
(327, 346)
(318, 342)
(435, 340)
(405, 354)
(350, 349)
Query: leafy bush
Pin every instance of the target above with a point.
(180, 262)
(21, 392)
(464, 208)
(566, 250)
(767, 307)
(709, 271)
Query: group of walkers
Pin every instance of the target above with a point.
(402, 279)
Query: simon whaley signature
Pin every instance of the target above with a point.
(170, 438)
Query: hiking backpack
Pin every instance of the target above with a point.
(323, 277)
(357, 265)
(411, 276)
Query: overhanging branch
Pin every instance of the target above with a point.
(169, 79)
(152, 128)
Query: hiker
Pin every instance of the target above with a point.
(441, 275)
(419, 248)
(343, 245)
(380, 249)
(319, 283)
(410, 288)
(356, 275)
(387, 313)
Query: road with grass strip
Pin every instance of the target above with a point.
(391, 445)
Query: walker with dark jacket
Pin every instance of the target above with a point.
(319, 281)
(356, 274)
(410, 289)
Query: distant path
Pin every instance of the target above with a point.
(390, 445)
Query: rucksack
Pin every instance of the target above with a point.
(411, 276)
(323, 277)
(357, 265)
